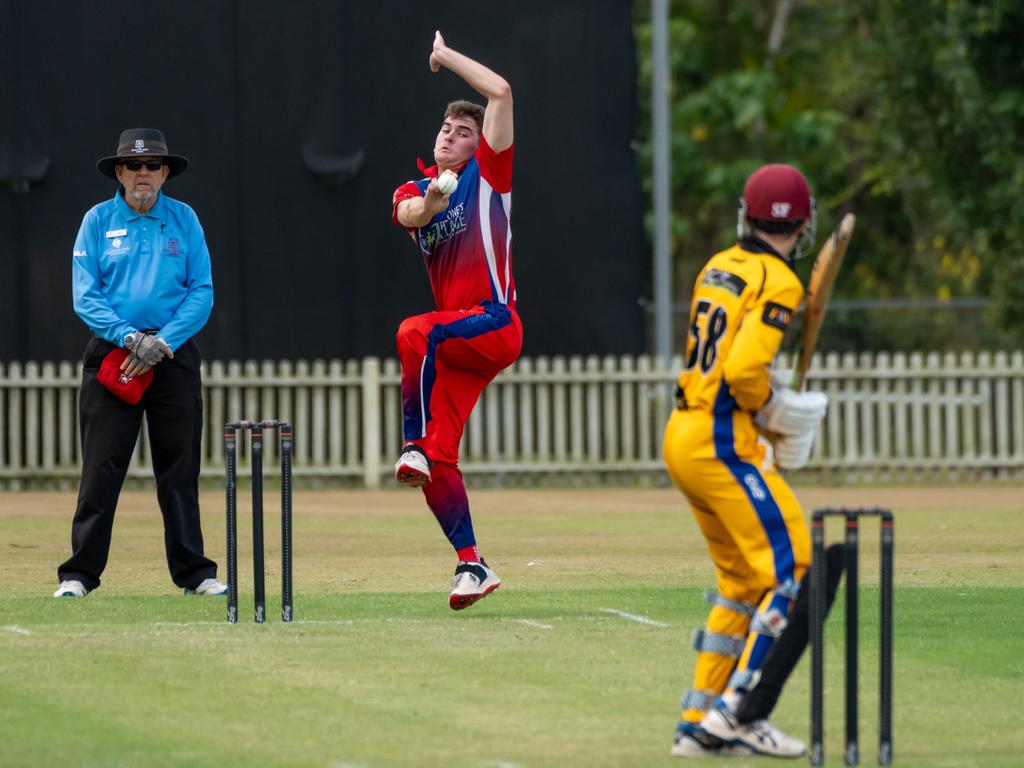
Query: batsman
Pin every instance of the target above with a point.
(743, 301)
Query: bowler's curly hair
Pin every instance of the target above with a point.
(463, 108)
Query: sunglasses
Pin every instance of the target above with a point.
(136, 165)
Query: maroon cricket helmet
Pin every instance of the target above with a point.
(777, 192)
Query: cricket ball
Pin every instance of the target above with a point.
(447, 182)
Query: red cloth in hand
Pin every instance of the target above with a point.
(113, 378)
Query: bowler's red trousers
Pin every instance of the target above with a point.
(447, 358)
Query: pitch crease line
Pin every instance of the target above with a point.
(18, 630)
(325, 622)
(532, 623)
(634, 617)
(336, 622)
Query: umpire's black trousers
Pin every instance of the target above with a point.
(173, 405)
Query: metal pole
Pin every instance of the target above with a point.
(819, 582)
(230, 451)
(286, 522)
(258, 570)
(662, 160)
(885, 664)
(852, 543)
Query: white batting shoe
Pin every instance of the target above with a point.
(210, 587)
(471, 582)
(412, 467)
(693, 741)
(71, 588)
(760, 736)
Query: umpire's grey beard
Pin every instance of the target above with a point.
(142, 196)
(140, 201)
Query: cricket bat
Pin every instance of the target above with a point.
(819, 288)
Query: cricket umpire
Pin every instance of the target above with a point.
(142, 284)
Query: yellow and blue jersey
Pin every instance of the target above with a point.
(743, 301)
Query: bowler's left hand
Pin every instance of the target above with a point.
(435, 63)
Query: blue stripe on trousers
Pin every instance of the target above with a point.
(764, 642)
(466, 328)
(753, 484)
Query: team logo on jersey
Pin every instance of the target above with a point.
(433, 235)
(719, 278)
(776, 315)
(173, 247)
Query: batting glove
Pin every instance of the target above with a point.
(793, 451)
(792, 413)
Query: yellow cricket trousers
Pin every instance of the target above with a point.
(757, 537)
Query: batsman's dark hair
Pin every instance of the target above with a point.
(776, 227)
(463, 108)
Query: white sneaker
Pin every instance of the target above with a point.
(760, 736)
(471, 582)
(693, 741)
(210, 587)
(71, 588)
(412, 467)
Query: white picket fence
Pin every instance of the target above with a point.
(576, 419)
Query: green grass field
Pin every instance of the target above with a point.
(377, 671)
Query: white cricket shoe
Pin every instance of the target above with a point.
(211, 587)
(760, 736)
(691, 740)
(471, 582)
(412, 467)
(71, 588)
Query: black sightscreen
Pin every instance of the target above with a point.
(300, 119)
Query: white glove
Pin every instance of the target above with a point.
(793, 451)
(781, 378)
(792, 413)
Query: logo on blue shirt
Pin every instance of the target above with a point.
(452, 224)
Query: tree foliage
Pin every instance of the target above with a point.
(908, 112)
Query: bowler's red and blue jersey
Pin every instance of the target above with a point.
(467, 248)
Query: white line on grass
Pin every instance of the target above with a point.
(18, 630)
(532, 623)
(327, 621)
(635, 617)
(187, 623)
(307, 622)
(324, 622)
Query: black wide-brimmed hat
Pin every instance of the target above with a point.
(142, 142)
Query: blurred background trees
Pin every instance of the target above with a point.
(910, 113)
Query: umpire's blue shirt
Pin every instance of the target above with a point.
(136, 271)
